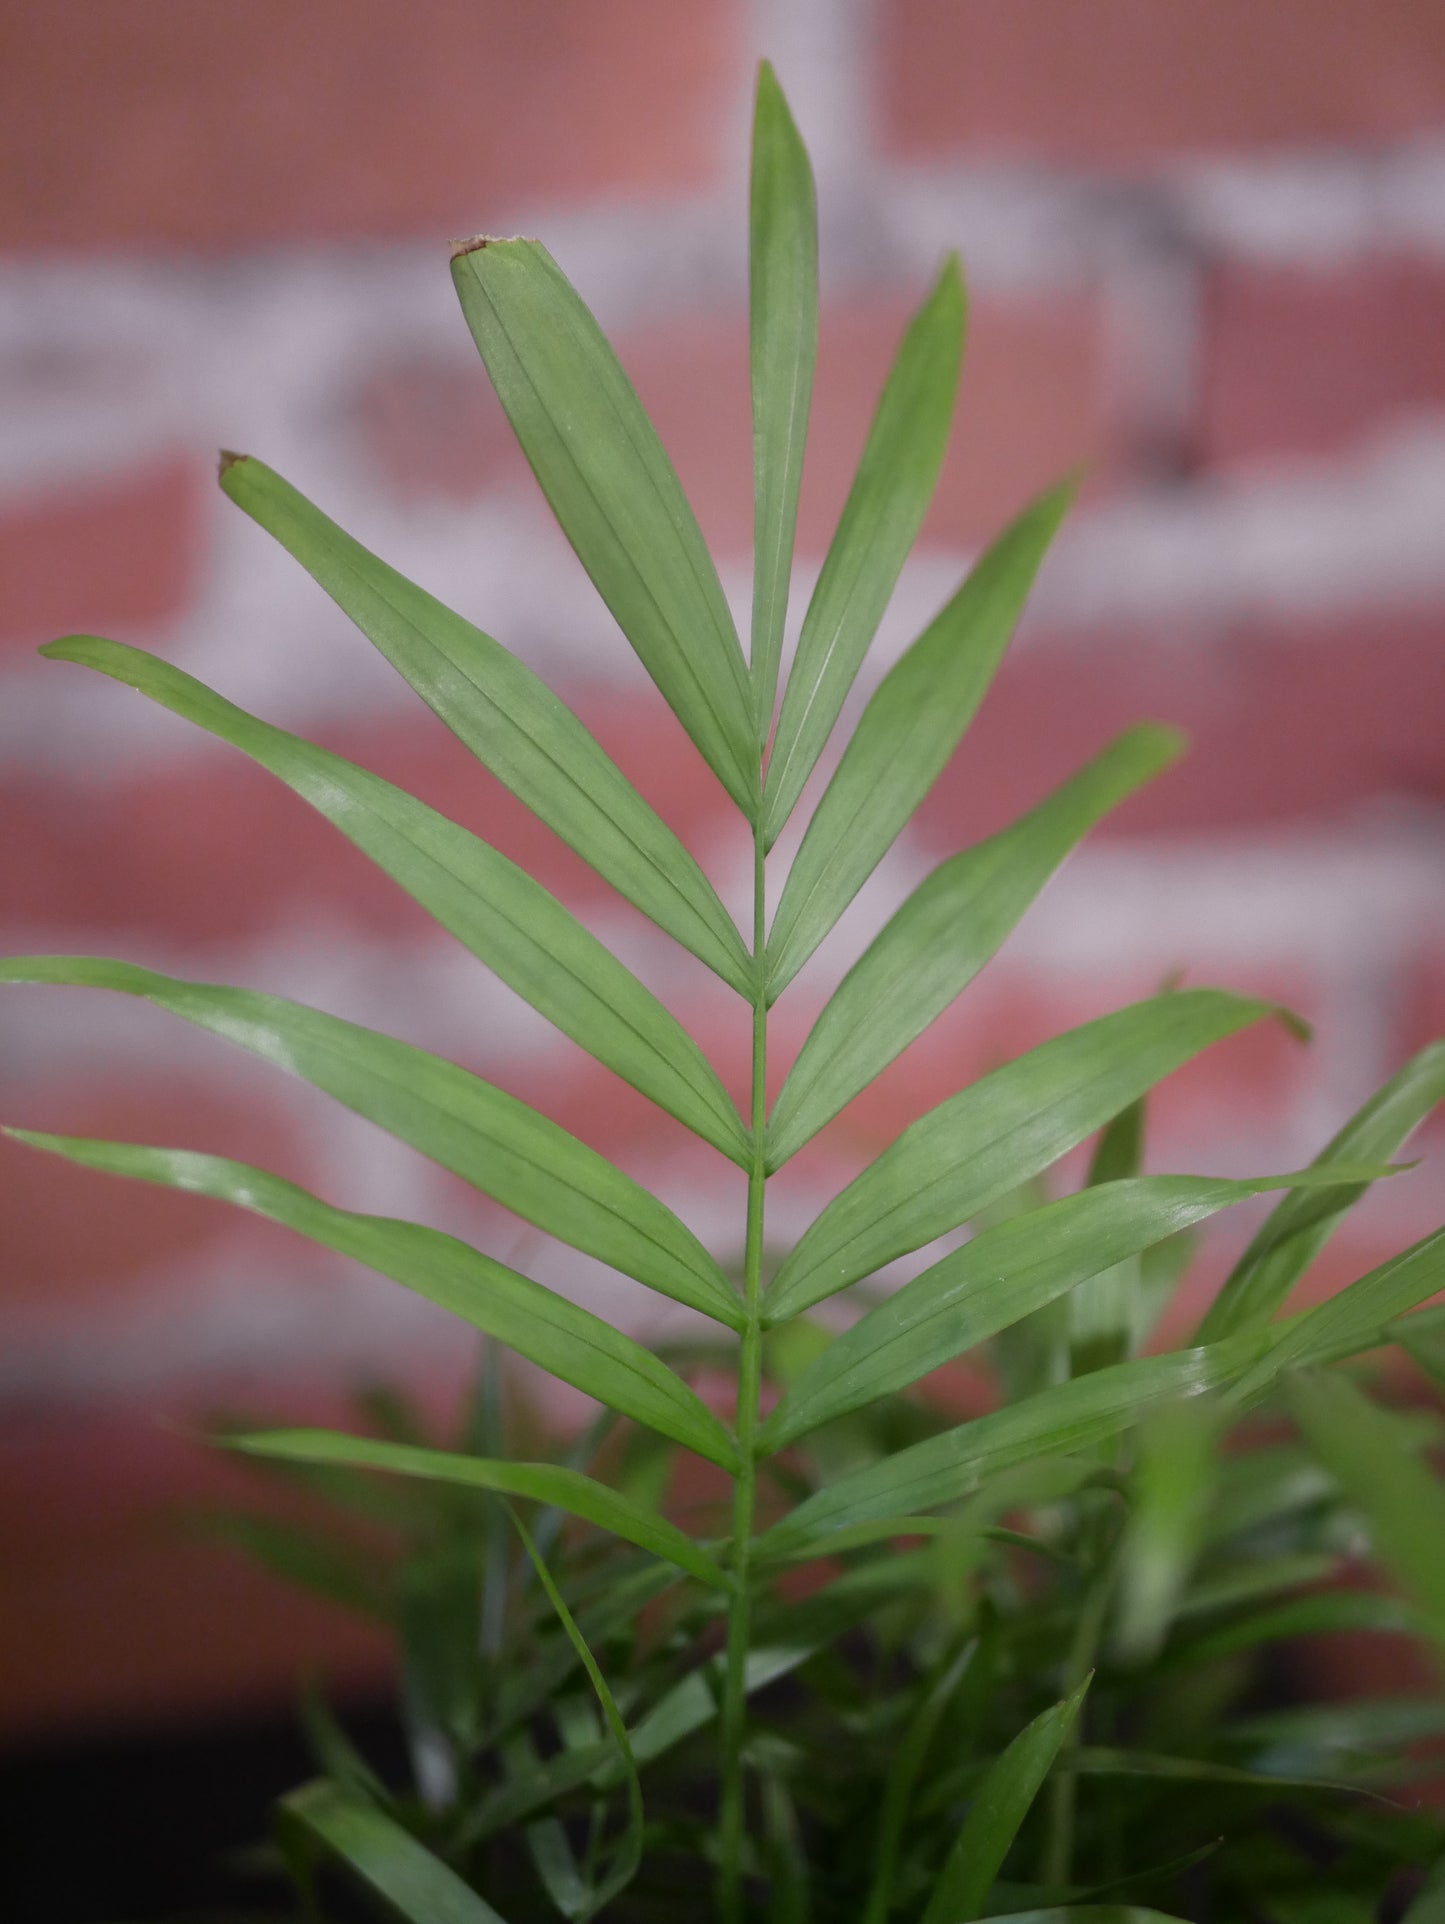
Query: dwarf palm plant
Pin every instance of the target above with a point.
(1057, 1285)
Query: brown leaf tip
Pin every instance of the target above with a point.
(478, 242)
(229, 459)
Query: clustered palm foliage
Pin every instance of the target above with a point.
(903, 1667)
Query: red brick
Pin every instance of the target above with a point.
(1420, 1007)
(168, 124)
(434, 431)
(211, 846)
(1308, 722)
(1033, 404)
(1124, 81)
(74, 1236)
(123, 552)
(1307, 362)
(122, 1612)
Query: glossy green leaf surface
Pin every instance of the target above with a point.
(880, 519)
(1002, 1274)
(491, 906)
(1354, 1320)
(1004, 1129)
(1402, 1501)
(415, 1884)
(1298, 1228)
(905, 735)
(570, 1342)
(945, 1468)
(783, 302)
(998, 1809)
(487, 1137)
(613, 490)
(507, 716)
(953, 923)
(566, 1489)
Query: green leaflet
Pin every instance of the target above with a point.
(998, 1809)
(783, 283)
(996, 1134)
(1298, 1228)
(1402, 1501)
(557, 1335)
(480, 1133)
(613, 490)
(628, 1853)
(1071, 1416)
(490, 905)
(1355, 1319)
(910, 727)
(951, 925)
(508, 717)
(880, 519)
(1173, 1477)
(902, 1779)
(374, 1847)
(1086, 1914)
(549, 1483)
(1001, 1275)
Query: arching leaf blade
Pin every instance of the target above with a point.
(489, 1138)
(879, 524)
(997, 1811)
(559, 1336)
(953, 923)
(783, 299)
(613, 490)
(417, 1886)
(1004, 1129)
(1295, 1231)
(507, 716)
(1004, 1273)
(550, 1483)
(910, 727)
(1402, 1500)
(491, 906)
(1356, 1319)
(943, 1469)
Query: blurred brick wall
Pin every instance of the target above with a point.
(1206, 249)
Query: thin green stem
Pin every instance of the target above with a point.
(750, 1361)
(1058, 1865)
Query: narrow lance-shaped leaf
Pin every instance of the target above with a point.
(490, 905)
(998, 1809)
(549, 1483)
(879, 523)
(479, 1132)
(613, 490)
(1087, 1914)
(416, 1885)
(628, 1854)
(1402, 1501)
(507, 716)
(559, 1336)
(951, 925)
(783, 287)
(1002, 1274)
(1004, 1129)
(943, 1469)
(905, 735)
(1174, 1474)
(1356, 1319)
(1298, 1228)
